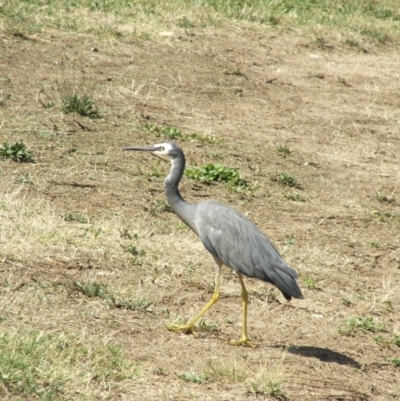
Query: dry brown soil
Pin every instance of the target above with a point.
(253, 90)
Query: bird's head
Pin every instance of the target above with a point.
(165, 150)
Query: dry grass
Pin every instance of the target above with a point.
(92, 261)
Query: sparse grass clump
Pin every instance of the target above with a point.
(285, 179)
(271, 388)
(50, 366)
(193, 377)
(84, 106)
(92, 289)
(76, 217)
(294, 197)
(361, 323)
(211, 173)
(16, 151)
(172, 133)
(310, 283)
(284, 151)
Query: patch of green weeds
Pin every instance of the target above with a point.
(207, 326)
(396, 340)
(134, 250)
(193, 377)
(294, 197)
(272, 388)
(310, 283)
(354, 43)
(361, 323)
(45, 366)
(92, 289)
(211, 173)
(25, 179)
(290, 240)
(16, 151)
(383, 198)
(284, 151)
(166, 132)
(286, 179)
(172, 133)
(396, 362)
(375, 244)
(4, 98)
(230, 372)
(77, 217)
(346, 302)
(159, 206)
(84, 106)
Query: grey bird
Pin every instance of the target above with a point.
(231, 238)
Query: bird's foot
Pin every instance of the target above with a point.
(187, 329)
(243, 341)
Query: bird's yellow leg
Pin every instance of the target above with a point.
(245, 299)
(188, 328)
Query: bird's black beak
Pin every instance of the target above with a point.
(143, 148)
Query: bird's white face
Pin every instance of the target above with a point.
(165, 151)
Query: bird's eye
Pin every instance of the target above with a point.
(162, 149)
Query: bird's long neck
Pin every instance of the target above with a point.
(184, 209)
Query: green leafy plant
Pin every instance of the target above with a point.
(84, 106)
(361, 323)
(210, 173)
(193, 377)
(16, 151)
(167, 132)
(207, 326)
(285, 179)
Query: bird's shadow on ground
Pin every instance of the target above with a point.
(323, 354)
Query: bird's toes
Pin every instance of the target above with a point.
(243, 341)
(182, 329)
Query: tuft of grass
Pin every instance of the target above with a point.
(211, 173)
(227, 371)
(16, 151)
(25, 179)
(375, 244)
(207, 326)
(361, 323)
(172, 133)
(310, 283)
(78, 217)
(285, 179)
(396, 362)
(193, 377)
(159, 206)
(271, 388)
(294, 197)
(284, 151)
(57, 366)
(134, 250)
(84, 106)
(92, 289)
(383, 198)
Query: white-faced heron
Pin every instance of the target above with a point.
(231, 238)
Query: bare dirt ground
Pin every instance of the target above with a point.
(253, 90)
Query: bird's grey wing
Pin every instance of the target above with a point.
(235, 240)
